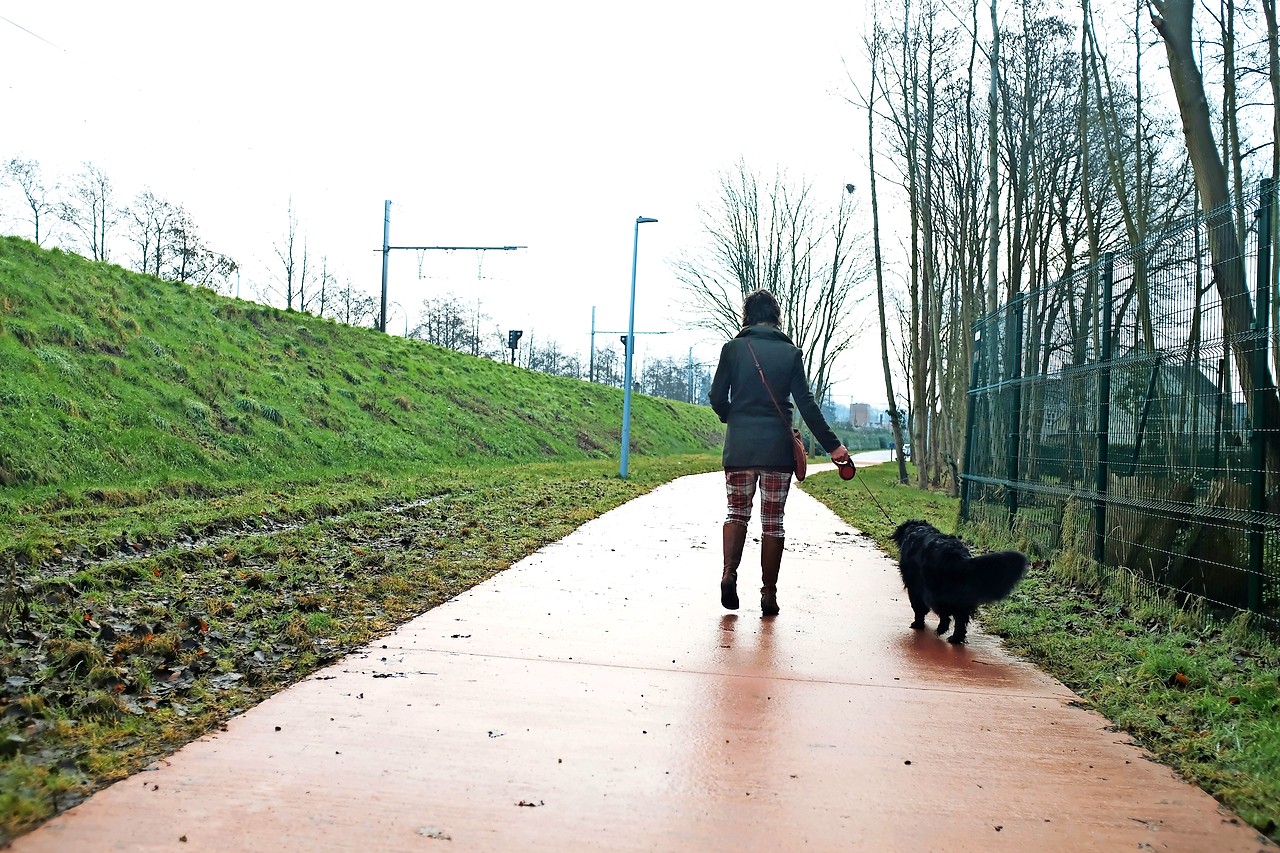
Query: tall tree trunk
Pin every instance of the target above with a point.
(895, 421)
(993, 195)
(924, 450)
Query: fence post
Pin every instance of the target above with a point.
(1014, 379)
(1104, 418)
(1261, 430)
(969, 421)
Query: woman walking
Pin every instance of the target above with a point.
(759, 373)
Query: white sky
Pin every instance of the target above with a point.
(547, 125)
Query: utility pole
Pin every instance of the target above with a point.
(386, 237)
(387, 249)
(689, 384)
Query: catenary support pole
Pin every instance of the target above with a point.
(386, 251)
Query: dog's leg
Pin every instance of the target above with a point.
(944, 622)
(962, 626)
(918, 607)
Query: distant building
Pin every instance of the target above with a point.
(860, 415)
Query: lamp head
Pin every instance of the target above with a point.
(642, 219)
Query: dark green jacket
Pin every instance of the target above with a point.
(756, 436)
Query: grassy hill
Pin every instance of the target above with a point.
(110, 378)
(114, 381)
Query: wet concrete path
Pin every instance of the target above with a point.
(596, 697)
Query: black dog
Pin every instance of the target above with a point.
(941, 575)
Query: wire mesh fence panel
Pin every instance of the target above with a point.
(1129, 415)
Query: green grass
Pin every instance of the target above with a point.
(124, 659)
(120, 389)
(1203, 697)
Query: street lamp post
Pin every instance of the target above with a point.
(630, 350)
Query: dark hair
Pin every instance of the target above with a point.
(761, 307)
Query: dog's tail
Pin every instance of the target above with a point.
(995, 575)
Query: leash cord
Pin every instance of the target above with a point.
(877, 503)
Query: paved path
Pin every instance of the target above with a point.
(596, 697)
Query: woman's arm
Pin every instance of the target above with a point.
(812, 414)
(719, 393)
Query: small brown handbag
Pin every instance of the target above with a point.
(799, 456)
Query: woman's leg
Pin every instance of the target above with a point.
(774, 487)
(740, 489)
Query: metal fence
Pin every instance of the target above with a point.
(1125, 420)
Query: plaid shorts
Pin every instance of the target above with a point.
(740, 488)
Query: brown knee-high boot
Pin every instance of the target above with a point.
(735, 536)
(770, 563)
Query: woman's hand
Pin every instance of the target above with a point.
(840, 455)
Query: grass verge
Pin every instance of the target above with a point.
(1202, 696)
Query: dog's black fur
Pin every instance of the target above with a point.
(941, 575)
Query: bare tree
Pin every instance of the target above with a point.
(776, 236)
(448, 321)
(872, 45)
(25, 175)
(149, 219)
(327, 281)
(665, 377)
(306, 277)
(550, 358)
(912, 63)
(89, 208)
(351, 307)
(190, 259)
(608, 367)
(285, 253)
(748, 242)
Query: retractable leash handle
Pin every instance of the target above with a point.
(847, 470)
